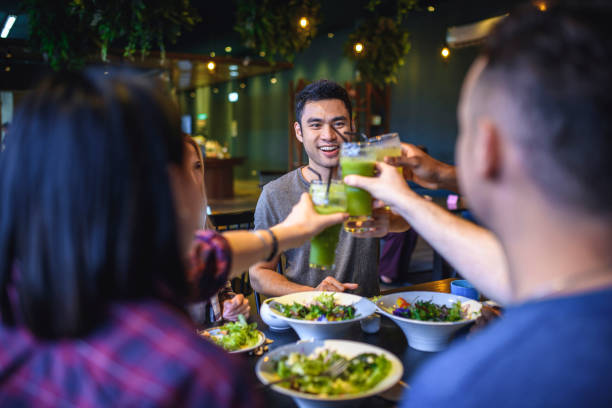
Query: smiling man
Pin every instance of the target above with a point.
(323, 110)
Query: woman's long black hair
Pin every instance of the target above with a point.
(86, 212)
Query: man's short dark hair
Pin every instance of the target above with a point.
(318, 91)
(556, 66)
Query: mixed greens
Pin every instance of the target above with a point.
(234, 336)
(428, 311)
(309, 374)
(322, 308)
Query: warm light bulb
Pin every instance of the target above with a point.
(211, 66)
(445, 52)
(542, 6)
(431, 9)
(273, 80)
(228, 49)
(262, 53)
(303, 22)
(358, 48)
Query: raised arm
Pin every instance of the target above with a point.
(474, 251)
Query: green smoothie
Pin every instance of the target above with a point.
(323, 246)
(359, 202)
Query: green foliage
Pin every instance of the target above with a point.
(384, 39)
(68, 32)
(272, 26)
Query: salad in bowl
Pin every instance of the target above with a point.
(320, 315)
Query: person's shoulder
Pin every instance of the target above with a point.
(289, 179)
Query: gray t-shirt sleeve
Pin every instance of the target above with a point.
(265, 216)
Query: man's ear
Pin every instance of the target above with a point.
(489, 146)
(298, 131)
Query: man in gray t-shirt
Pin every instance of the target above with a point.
(323, 114)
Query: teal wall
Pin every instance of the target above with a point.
(423, 103)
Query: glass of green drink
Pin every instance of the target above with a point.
(323, 245)
(358, 158)
(388, 145)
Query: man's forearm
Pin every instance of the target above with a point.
(448, 178)
(271, 283)
(474, 251)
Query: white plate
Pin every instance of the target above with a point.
(424, 335)
(215, 331)
(309, 329)
(266, 373)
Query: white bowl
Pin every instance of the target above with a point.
(266, 373)
(424, 335)
(308, 329)
(272, 319)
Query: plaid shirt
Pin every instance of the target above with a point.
(145, 354)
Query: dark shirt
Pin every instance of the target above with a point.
(549, 353)
(146, 354)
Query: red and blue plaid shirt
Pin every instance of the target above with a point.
(145, 354)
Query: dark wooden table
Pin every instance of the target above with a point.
(389, 337)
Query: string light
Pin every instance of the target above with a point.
(211, 66)
(431, 9)
(445, 52)
(303, 22)
(228, 49)
(358, 48)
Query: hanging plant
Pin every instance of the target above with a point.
(383, 42)
(277, 28)
(68, 32)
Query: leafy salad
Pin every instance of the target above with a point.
(309, 373)
(234, 336)
(322, 308)
(426, 310)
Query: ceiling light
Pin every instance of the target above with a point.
(212, 54)
(211, 66)
(228, 49)
(233, 67)
(242, 85)
(431, 9)
(8, 24)
(273, 80)
(303, 22)
(262, 53)
(234, 74)
(358, 48)
(232, 96)
(445, 52)
(330, 35)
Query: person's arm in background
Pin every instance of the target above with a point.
(424, 170)
(474, 251)
(220, 257)
(264, 277)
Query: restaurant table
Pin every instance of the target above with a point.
(390, 337)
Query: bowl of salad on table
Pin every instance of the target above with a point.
(429, 319)
(307, 368)
(320, 315)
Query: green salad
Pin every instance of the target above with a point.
(309, 373)
(322, 308)
(426, 310)
(234, 335)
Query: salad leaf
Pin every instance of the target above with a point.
(429, 311)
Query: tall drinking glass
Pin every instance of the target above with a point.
(323, 245)
(387, 145)
(358, 158)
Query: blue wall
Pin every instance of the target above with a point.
(423, 103)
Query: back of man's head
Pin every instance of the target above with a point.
(555, 69)
(318, 91)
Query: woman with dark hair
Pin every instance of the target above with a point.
(224, 304)
(96, 219)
